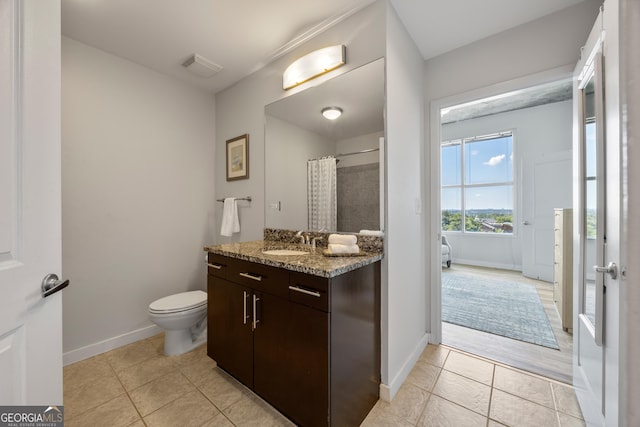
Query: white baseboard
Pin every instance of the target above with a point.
(487, 264)
(387, 392)
(109, 344)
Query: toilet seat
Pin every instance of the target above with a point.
(179, 302)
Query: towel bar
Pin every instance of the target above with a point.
(248, 199)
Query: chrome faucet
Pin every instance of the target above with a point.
(313, 242)
(302, 237)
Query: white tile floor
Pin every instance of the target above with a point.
(137, 385)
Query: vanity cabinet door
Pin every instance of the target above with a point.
(291, 364)
(271, 350)
(230, 339)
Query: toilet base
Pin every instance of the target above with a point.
(179, 342)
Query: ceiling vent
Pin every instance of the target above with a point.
(201, 66)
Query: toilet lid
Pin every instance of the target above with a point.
(179, 302)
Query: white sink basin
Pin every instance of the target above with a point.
(285, 252)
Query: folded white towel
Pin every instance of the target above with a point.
(343, 239)
(230, 222)
(377, 233)
(334, 248)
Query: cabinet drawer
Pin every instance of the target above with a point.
(261, 277)
(218, 265)
(312, 291)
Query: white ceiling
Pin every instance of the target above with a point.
(244, 35)
(240, 35)
(441, 26)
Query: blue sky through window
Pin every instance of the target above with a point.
(486, 161)
(451, 164)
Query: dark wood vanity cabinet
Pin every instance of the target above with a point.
(233, 346)
(308, 345)
(291, 361)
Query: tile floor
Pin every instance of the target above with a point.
(137, 385)
(451, 388)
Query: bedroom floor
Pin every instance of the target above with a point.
(556, 364)
(136, 385)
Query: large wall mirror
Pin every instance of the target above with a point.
(324, 175)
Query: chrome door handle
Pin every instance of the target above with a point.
(611, 269)
(51, 284)
(304, 291)
(244, 316)
(251, 276)
(255, 312)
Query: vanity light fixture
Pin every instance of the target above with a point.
(314, 64)
(201, 66)
(331, 113)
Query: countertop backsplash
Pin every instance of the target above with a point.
(371, 244)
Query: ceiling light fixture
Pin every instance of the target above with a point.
(331, 113)
(201, 66)
(313, 64)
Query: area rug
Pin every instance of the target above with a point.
(509, 309)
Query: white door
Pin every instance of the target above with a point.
(597, 224)
(546, 184)
(30, 243)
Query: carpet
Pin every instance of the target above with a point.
(503, 308)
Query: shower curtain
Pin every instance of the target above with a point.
(322, 194)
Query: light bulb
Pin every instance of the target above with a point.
(331, 113)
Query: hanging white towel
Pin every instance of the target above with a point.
(230, 222)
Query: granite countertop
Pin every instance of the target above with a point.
(314, 263)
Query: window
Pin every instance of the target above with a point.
(477, 184)
(591, 190)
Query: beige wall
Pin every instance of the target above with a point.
(404, 308)
(137, 195)
(290, 147)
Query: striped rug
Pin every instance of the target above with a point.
(509, 309)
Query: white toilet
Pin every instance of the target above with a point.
(183, 316)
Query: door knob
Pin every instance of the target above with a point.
(611, 269)
(51, 284)
(525, 222)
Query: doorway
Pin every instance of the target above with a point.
(501, 225)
